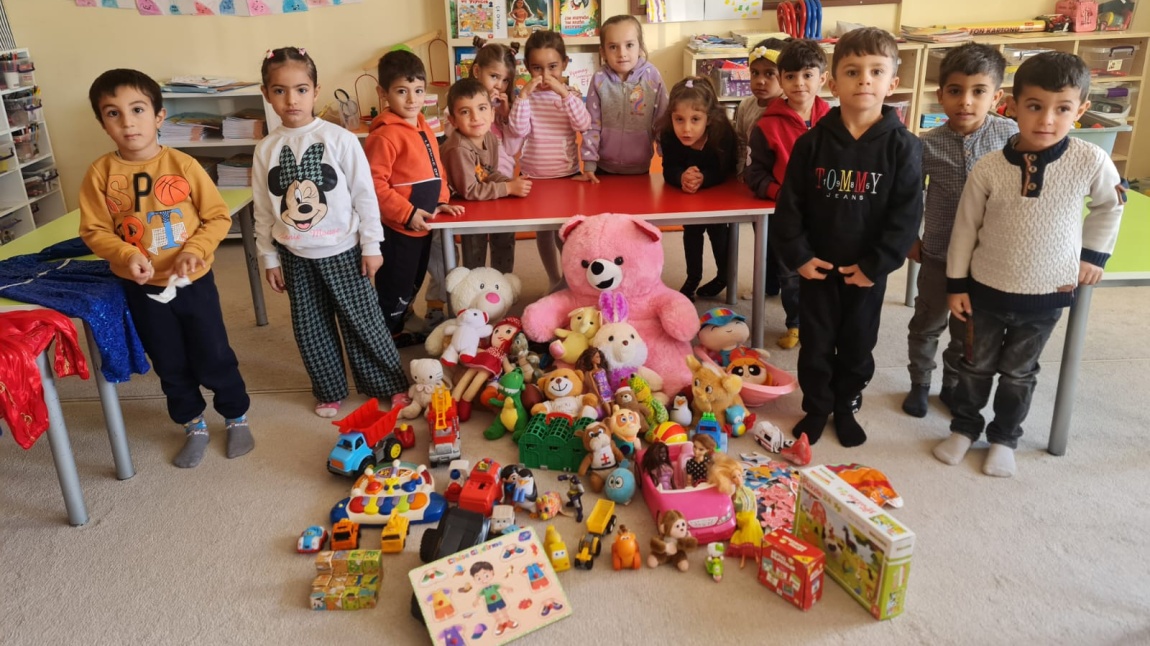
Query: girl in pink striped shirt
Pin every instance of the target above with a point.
(547, 116)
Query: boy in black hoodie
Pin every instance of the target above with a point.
(848, 212)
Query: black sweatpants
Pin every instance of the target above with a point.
(401, 277)
(693, 249)
(186, 340)
(838, 335)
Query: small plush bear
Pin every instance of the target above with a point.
(426, 375)
(564, 391)
(467, 330)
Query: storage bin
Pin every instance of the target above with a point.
(1113, 100)
(1103, 137)
(1109, 60)
(732, 82)
(1014, 57)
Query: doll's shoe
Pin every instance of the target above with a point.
(327, 409)
(463, 408)
(789, 340)
(712, 289)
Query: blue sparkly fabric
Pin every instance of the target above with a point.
(84, 289)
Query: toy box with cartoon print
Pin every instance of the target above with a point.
(792, 568)
(867, 551)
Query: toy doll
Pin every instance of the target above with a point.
(700, 463)
(721, 330)
(673, 543)
(728, 476)
(657, 464)
(593, 365)
(489, 362)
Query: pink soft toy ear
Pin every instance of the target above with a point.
(651, 230)
(613, 306)
(570, 225)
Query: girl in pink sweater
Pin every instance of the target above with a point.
(547, 116)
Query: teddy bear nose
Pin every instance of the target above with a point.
(626, 342)
(492, 298)
(597, 267)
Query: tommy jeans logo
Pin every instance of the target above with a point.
(847, 184)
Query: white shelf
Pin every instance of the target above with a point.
(33, 200)
(5, 210)
(210, 143)
(36, 160)
(251, 90)
(14, 90)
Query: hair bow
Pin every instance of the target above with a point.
(690, 84)
(771, 55)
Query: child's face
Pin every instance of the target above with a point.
(620, 48)
(291, 93)
(765, 80)
(405, 98)
(966, 99)
(1045, 117)
(472, 116)
(690, 124)
(862, 82)
(484, 576)
(132, 122)
(495, 77)
(546, 61)
(803, 86)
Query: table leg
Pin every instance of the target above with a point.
(759, 284)
(448, 240)
(911, 282)
(1068, 374)
(113, 416)
(61, 446)
(733, 264)
(247, 232)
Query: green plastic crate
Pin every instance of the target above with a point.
(552, 445)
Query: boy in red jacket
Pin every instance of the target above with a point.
(409, 180)
(802, 67)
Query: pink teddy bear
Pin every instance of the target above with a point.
(624, 253)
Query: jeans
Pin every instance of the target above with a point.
(1008, 343)
(931, 317)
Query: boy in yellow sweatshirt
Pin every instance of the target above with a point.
(155, 216)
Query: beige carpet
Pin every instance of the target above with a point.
(1056, 555)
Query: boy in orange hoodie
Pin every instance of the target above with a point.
(410, 182)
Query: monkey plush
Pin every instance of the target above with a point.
(673, 543)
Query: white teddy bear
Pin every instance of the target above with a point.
(481, 288)
(426, 374)
(467, 330)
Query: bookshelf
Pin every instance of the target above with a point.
(30, 192)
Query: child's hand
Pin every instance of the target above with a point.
(852, 275)
(140, 268)
(915, 252)
(586, 176)
(959, 305)
(418, 221)
(370, 265)
(691, 179)
(501, 104)
(555, 84)
(275, 278)
(531, 86)
(519, 187)
(450, 209)
(1088, 274)
(815, 269)
(187, 263)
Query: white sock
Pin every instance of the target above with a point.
(999, 462)
(953, 449)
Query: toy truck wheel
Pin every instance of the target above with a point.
(591, 562)
(428, 544)
(596, 548)
(392, 449)
(610, 527)
(363, 466)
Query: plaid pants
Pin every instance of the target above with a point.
(323, 291)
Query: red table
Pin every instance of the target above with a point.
(552, 201)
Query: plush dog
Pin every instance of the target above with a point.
(564, 391)
(620, 252)
(602, 455)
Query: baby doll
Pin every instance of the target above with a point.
(674, 543)
(657, 464)
(727, 475)
(489, 362)
(721, 330)
(700, 463)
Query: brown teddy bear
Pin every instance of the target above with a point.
(563, 389)
(602, 455)
(673, 543)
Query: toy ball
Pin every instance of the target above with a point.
(669, 433)
(170, 190)
(620, 486)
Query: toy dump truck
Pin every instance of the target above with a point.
(600, 523)
(368, 437)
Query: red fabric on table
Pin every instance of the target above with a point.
(24, 335)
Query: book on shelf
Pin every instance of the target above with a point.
(577, 17)
(248, 123)
(235, 171)
(526, 16)
(751, 37)
(580, 70)
(203, 84)
(935, 34)
(711, 43)
(483, 18)
(190, 126)
(210, 165)
(1004, 27)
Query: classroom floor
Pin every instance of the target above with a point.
(1056, 554)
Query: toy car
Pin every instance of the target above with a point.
(600, 522)
(458, 530)
(345, 535)
(710, 514)
(403, 488)
(368, 437)
(311, 540)
(443, 423)
(556, 550)
(483, 488)
(394, 534)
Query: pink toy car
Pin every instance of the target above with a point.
(710, 514)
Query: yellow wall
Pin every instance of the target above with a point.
(72, 45)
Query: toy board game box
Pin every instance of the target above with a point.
(792, 568)
(868, 552)
(499, 591)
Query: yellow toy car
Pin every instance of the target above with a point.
(394, 535)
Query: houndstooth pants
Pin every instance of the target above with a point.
(323, 291)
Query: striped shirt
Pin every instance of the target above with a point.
(947, 158)
(547, 123)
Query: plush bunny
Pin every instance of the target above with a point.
(621, 344)
(467, 330)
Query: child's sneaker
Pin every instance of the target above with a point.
(195, 443)
(327, 410)
(789, 340)
(240, 440)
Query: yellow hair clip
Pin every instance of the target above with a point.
(771, 55)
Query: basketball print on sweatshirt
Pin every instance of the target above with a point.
(302, 187)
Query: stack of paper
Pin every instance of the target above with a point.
(749, 38)
(245, 124)
(190, 126)
(935, 34)
(203, 84)
(709, 43)
(209, 164)
(235, 171)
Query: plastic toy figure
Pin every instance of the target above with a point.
(518, 486)
(673, 542)
(457, 472)
(620, 486)
(575, 493)
(625, 550)
(696, 468)
(715, 560)
(556, 550)
(657, 464)
(728, 476)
